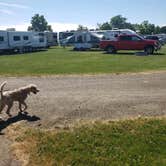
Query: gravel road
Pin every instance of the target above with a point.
(65, 99)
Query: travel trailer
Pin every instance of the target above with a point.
(62, 36)
(113, 34)
(83, 40)
(22, 41)
(52, 38)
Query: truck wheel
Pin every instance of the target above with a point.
(149, 50)
(111, 50)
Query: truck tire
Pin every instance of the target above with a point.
(111, 50)
(149, 50)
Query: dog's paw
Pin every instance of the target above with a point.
(26, 113)
(9, 115)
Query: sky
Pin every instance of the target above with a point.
(68, 14)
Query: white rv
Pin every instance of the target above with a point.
(39, 40)
(52, 38)
(62, 36)
(22, 41)
(112, 34)
(83, 40)
(4, 42)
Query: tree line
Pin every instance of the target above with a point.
(120, 22)
(39, 23)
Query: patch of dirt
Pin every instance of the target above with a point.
(65, 99)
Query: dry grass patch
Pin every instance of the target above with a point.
(131, 142)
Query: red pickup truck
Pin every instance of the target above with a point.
(130, 42)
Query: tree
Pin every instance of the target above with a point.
(118, 22)
(82, 28)
(146, 28)
(163, 29)
(39, 23)
(157, 30)
(105, 26)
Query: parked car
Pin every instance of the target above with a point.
(130, 42)
(152, 37)
(155, 37)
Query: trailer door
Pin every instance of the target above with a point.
(4, 41)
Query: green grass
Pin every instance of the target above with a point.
(137, 142)
(64, 61)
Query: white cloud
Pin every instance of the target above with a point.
(6, 11)
(57, 27)
(19, 27)
(63, 26)
(14, 5)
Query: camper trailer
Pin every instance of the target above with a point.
(39, 40)
(52, 39)
(62, 36)
(4, 42)
(21, 41)
(112, 34)
(83, 40)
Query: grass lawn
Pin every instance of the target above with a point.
(64, 61)
(132, 142)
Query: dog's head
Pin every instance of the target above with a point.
(34, 89)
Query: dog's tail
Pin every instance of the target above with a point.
(1, 88)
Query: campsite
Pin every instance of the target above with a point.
(82, 84)
(96, 88)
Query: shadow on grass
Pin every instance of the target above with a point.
(19, 117)
(10, 53)
(134, 53)
(86, 50)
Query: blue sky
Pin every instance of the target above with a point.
(67, 14)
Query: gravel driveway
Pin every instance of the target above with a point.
(64, 99)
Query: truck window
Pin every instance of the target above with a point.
(1, 38)
(125, 38)
(16, 38)
(25, 37)
(135, 38)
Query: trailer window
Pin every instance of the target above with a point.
(80, 39)
(71, 40)
(41, 40)
(1, 38)
(16, 38)
(25, 37)
(94, 39)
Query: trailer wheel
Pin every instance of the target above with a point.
(30, 49)
(111, 50)
(75, 49)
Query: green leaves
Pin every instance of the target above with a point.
(39, 24)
